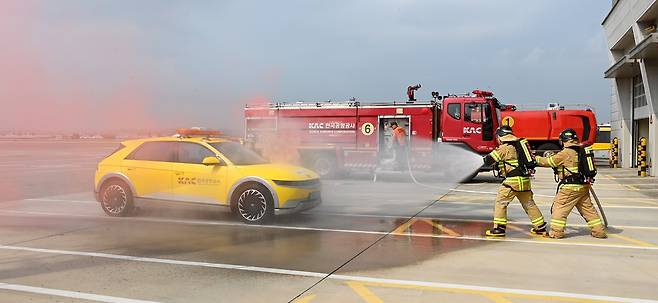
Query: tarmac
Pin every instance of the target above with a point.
(386, 241)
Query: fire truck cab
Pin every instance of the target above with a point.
(329, 137)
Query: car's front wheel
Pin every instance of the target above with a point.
(254, 204)
(117, 199)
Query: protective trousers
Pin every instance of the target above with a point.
(505, 195)
(564, 202)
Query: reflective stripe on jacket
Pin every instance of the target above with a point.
(506, 159)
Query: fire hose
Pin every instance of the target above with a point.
(598, 203)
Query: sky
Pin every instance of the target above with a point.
(89, 65)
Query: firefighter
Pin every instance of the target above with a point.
(515, 185)
(399, 145)
(573, 188)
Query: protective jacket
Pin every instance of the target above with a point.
(572, 192)
(565, 164)
(507, 160)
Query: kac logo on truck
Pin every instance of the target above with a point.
(330, 125)
(472, 130)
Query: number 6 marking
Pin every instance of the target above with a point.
(367, 129)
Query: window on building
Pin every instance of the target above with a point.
(454, 110)
(639, 98)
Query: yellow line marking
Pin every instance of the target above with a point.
(610, 177)
(363, 292)
(305, 299)
(444, 229)
(497, 298)
(631, 187)
(403, 227)
(493, 295)
(519, 229)
(634, 241)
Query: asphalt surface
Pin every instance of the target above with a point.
(386, 241)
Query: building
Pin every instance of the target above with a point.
(630, 30)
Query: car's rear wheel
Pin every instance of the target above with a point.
(117, 199)
(254, 204)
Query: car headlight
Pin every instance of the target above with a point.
(302, 183)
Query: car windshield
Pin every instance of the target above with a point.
(238, 154)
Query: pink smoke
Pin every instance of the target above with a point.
(43, 89)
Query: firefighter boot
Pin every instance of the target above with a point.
(597, 229)
(555, 234)
(497, 231)
(599, 234)
(539, 230)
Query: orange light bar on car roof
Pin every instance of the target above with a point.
(198, 132)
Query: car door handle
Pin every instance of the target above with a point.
(131, 168)
(178, 173)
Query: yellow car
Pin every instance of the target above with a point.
(202, 169)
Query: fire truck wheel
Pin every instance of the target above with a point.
(254, 203)
(116, 199)
(323, 165)
(547, 148)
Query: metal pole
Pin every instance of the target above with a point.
(598, 203)
(614, 162)
(643, 157)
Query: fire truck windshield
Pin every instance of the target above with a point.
(238, 154)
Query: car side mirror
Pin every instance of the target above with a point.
(212, 161)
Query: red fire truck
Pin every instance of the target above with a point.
(542, 127)
(328, 137)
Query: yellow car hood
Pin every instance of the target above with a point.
(283, 172)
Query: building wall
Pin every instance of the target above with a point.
(623, 32)
(622, 18)
(650, 74)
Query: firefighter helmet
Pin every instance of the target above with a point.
(504, 131)
(568, 135)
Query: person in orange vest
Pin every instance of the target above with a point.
(399, 145)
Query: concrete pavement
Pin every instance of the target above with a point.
(384, 241)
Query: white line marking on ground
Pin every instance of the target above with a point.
(537, 195)
(487, 192)
(464, 220)
(402, 216)
(321, 275)
(239, 224)
(61, 200)
(69, 294)
(444, 202)
(440, 202)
